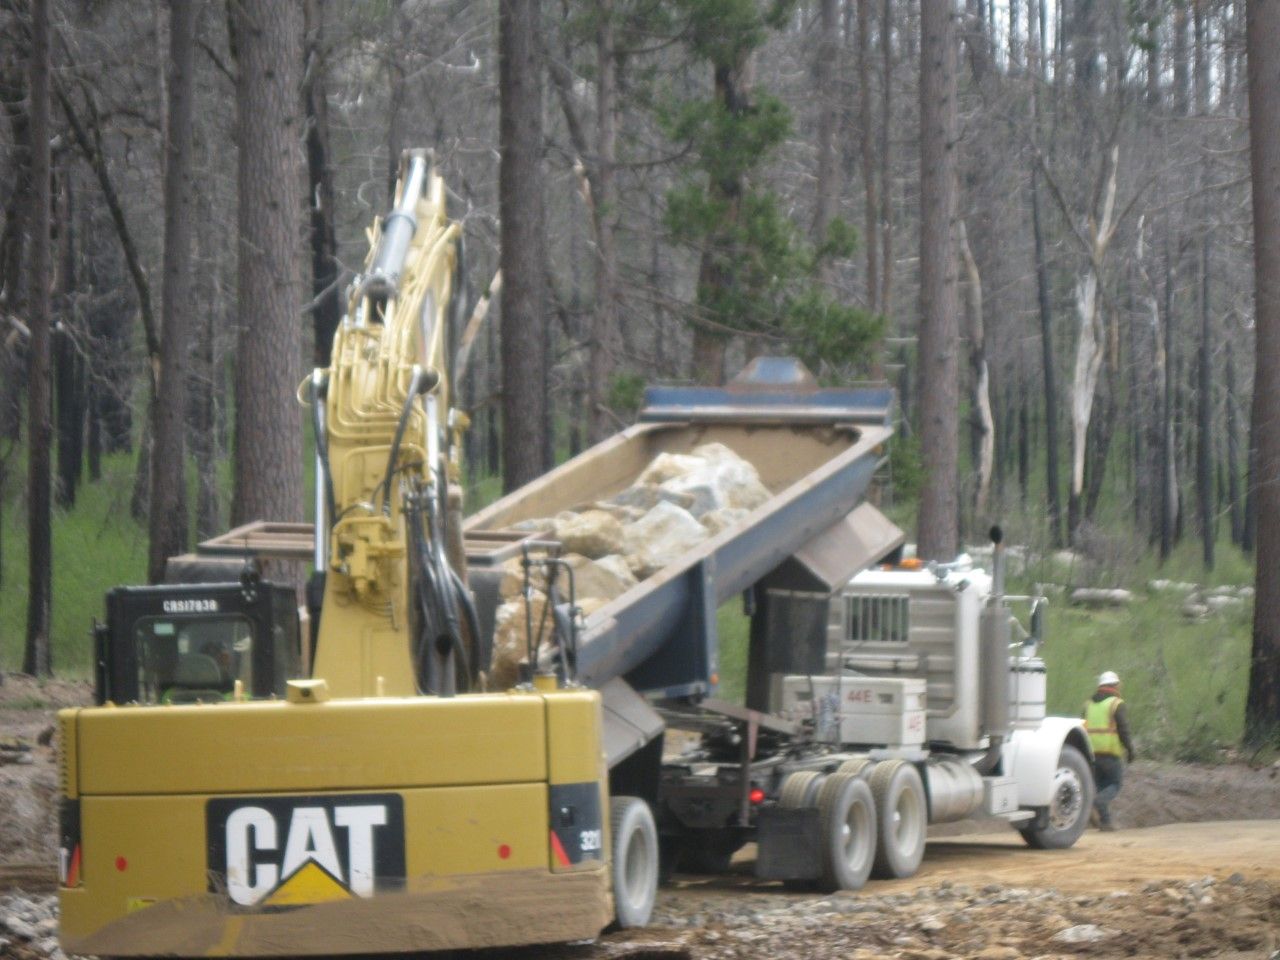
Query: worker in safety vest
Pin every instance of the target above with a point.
(1107, 724)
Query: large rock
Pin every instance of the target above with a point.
(666, 466)
(509, 641)
(623, 513)
(605, 578)
(645, 496)
(727, 481)
(592, 534)
(510, 637)
(1100, 597)
(660, 536)
(1082, 933)
(617, 565)
(602, 579)
(722, 519)
(1170, 586)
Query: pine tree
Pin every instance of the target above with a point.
(757, 275)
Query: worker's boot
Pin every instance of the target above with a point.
(1106, 824)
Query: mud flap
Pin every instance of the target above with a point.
(789, 844)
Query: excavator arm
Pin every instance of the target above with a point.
(396, 618)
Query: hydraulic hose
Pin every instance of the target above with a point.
(422, 381)
(440, 595)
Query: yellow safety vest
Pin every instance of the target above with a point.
(1100, 724)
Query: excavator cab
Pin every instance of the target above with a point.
(197, 643)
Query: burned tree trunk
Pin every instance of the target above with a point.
(939, 334)
(1262, 707)
(37, 655)
(268, 437)
(168, 519)
(524, 293)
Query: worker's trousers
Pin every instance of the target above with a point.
(1109, 775)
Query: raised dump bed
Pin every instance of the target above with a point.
(815, 450)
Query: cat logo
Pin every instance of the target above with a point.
(267, 852)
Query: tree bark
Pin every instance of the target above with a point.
(268, 426)
(524, 293)
(207, 376)
(169, 525)
(884, 300)
(1262, 707)
(939, 334)
(982, 422)
(1090, 344)
(1204, 415)
(326, 306)
(867, 154)
(13, 93)
(37, 655)
(1169, 498)
(1048, 361)
(605, 346)
(69, 368)
(827, 73)
(1234, 503)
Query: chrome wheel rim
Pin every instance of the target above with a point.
(1068, 799)
(906, 821)
(854, 827)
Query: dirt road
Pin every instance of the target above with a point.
(1180, 890)
(1166, 887)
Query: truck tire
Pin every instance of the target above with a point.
(1069, 806)
(800, 790)
(634, 867)
(857, 766)
(847, 814)
(902, 819)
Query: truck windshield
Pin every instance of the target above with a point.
(195, 660)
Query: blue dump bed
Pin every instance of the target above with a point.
(815, 449)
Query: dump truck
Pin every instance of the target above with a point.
(899, 700)
(258, 783)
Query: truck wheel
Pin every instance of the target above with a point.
(847, 814)
(901, 817)
(857, 766)
(634, 869)
(1069, 805)
(800, 790)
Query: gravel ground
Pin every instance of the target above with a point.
(1233, 918)
(1183, 890)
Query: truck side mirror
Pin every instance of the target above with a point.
(1037, 621)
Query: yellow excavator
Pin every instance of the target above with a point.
(218, 803)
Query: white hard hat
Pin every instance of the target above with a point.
(1108, 678)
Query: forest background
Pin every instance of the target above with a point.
(717, 179)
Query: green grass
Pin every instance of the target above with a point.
(95, 546)
(1184, 680)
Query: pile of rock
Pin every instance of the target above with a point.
(1201, 604)
(678, 501)
(29, 925)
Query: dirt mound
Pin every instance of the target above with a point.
(1159, 793)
